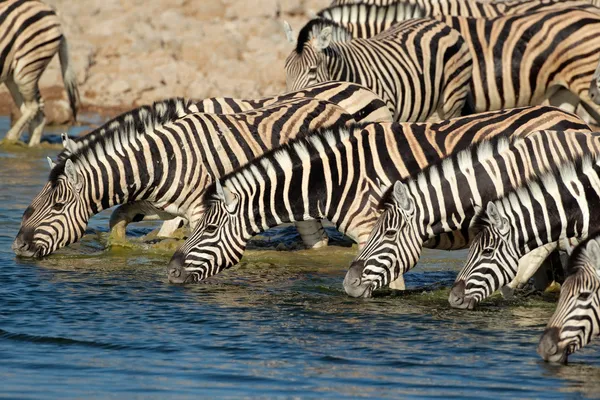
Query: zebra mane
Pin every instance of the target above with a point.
(448, 165)
(579, 256)
(125, 127)
(310, 142)
(315, 26)
(558, 172)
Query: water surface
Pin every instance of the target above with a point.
(90, 322)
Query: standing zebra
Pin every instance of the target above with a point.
(335, 174)
(551, 210)
(436, 207)
(418, 67)
(368, 18)
(522, 60)
(167, 166)
(360, 102)
(30, 36)
(577, 317)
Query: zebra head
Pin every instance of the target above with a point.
(492, 261)
(217, 242)
(309, 66)
(393, 247)
(594, 90)
(56, 217)
(577, 316)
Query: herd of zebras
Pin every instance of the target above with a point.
(408, 124)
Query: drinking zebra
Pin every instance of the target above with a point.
(436, 207)
(545, 213)
(391, 64)
(335, 174)
(167, 165)
(31, 36)
(360, 102)
(576, 319)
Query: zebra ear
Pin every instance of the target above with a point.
(324, 39)
(50, 163)
(73, 176)
(225, 195)
(496, 218)
(68, 143)
(403, 197)
(289, 33)
(593, 251)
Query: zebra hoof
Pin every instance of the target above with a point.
(507, 292)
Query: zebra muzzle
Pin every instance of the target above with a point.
(549, 349)
(354, 285)
(176, 272)
(458, 299)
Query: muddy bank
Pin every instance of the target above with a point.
(128, 53)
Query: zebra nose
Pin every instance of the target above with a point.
(353, 284)
(23, 244)
(548, 347)
(457, 296)
(176, 272)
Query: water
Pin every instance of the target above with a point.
(89, 322)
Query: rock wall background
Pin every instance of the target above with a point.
(132, 52)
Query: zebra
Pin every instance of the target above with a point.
(577, 317)
(547, 212)
(527, 59)
(363, 104)
(436, 207)
(392, 64)
(368, 18)
(335, 174)
(31, 36)
(168, 165)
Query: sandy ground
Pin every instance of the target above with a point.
(132, 52)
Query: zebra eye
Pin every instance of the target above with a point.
(487, 252)
(391, 233)
(58, 206)
(211, 228)
(585, 296)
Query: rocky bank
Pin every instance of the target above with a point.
(132, 52)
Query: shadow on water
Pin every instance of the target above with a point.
(92, 320)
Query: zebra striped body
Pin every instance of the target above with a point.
(168, 166)
(418, 67)
(360, 102)
(557, 207)
(30, 36)
(526, 59)
(577, 317)
(445, 197)
(368, 18)
(336, 174)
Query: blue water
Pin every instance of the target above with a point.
(89, 322)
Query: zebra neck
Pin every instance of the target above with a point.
(120, 173)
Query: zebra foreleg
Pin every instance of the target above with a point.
(134, 212)
(312, 233)
(27, 112)
(36, 126)
(528, 265)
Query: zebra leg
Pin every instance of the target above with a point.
(16, 130)
(169, 227)
(36, 126)
(134, 212)
(312, 233)
(528, 265)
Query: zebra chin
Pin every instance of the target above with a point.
(459, 299)
(354, 285)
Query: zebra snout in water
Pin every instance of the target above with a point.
(176, 272)
(353, 283)
(457, 298)
(23, 244)
(548, 347)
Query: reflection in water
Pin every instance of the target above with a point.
(88, 320)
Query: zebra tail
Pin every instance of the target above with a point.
(69, 77)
